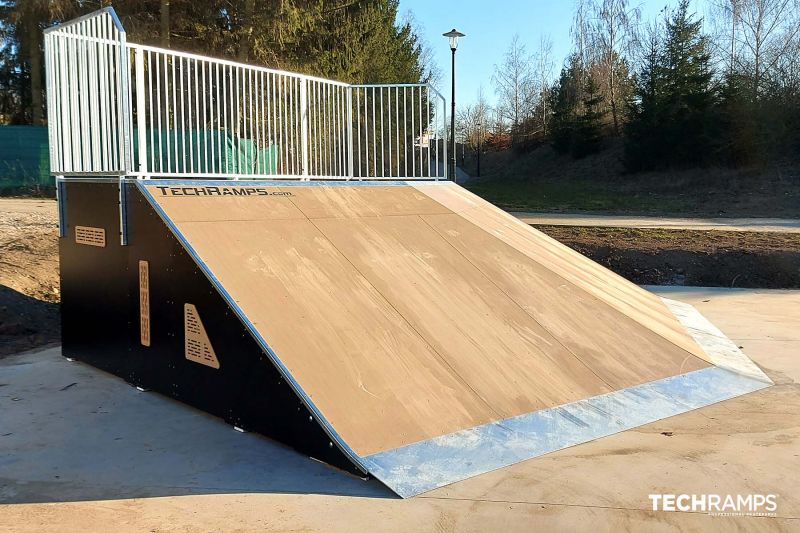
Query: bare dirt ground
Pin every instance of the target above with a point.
(29, 283)
(690, 257)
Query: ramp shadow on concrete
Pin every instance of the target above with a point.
(70, 432)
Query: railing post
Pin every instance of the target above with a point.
(141, 134)
(304, 140)
(350, 162)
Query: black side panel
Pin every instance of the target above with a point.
(94, 281)
(246, 391)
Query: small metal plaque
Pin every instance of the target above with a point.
(144, 303)
(90, 236)
(197, 346)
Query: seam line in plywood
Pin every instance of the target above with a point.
(514, 301)
(576, 286)
(439, 356)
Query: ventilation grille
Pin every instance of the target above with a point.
(144, 303)
(197, 348)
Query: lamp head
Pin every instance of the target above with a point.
(453, 35)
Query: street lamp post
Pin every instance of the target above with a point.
(453, 35)
(480, 145)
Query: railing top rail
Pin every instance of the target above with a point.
(200, 57)
(74, 22)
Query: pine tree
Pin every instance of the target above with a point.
(588, 134)
(565, 98)
(673, 112)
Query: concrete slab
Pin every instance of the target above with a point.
(100, 455)
(781, 225)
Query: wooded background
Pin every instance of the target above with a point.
(355, 41)
(679, 91)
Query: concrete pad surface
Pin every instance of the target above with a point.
(80, 450)
(777, 225)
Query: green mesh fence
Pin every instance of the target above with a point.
(24, 157)
(202, 151)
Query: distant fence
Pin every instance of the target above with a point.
(24, 157)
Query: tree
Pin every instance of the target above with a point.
(673, 113)
(514, 83)
(544, 71)
(588, 136)
(472, 122)
(24, 21)
(566, 97)
(768, 28)
(614, 32)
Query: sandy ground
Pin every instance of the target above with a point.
(82, 451)
(29, 284)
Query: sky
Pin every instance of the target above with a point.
(489, 27)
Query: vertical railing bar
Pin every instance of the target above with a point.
(271, 104)
(374, 142)
(196, 133)
(216, 155)
(113, 97)
(389, 126)
(141, 134)
(397, 127)
(159, 111)
(150, 110)
(421, 159)
(413, 135)
(238, 131)
(174, 85)
(86, 129)
(383, 163)
(206, 101)
(335, 131)
(51, 104)
(280, 126)
(93, 104)
(225, 116)
(428, 125)
(358, 122)
(405, 132)
(350, 160)
(165, 70)
(290, 125)
(257, 124)
(189, 121)
(249, 119)
(105, 101)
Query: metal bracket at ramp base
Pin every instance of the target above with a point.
(426, 465)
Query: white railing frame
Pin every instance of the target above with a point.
(264, 123)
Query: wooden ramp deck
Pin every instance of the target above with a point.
(410, 312)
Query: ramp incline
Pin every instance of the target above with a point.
(435, 333)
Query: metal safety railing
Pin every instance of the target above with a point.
(116, 108)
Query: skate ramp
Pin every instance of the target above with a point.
(435, 336)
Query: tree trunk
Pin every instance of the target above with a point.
(247, 30)
(35, 61)
(165, 23)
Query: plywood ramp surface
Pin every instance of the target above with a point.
(628, 298)
(406, 313)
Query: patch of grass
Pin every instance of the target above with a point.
(527, 195)
(545, 181)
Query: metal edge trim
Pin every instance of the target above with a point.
(721, 351)
(423, 466)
